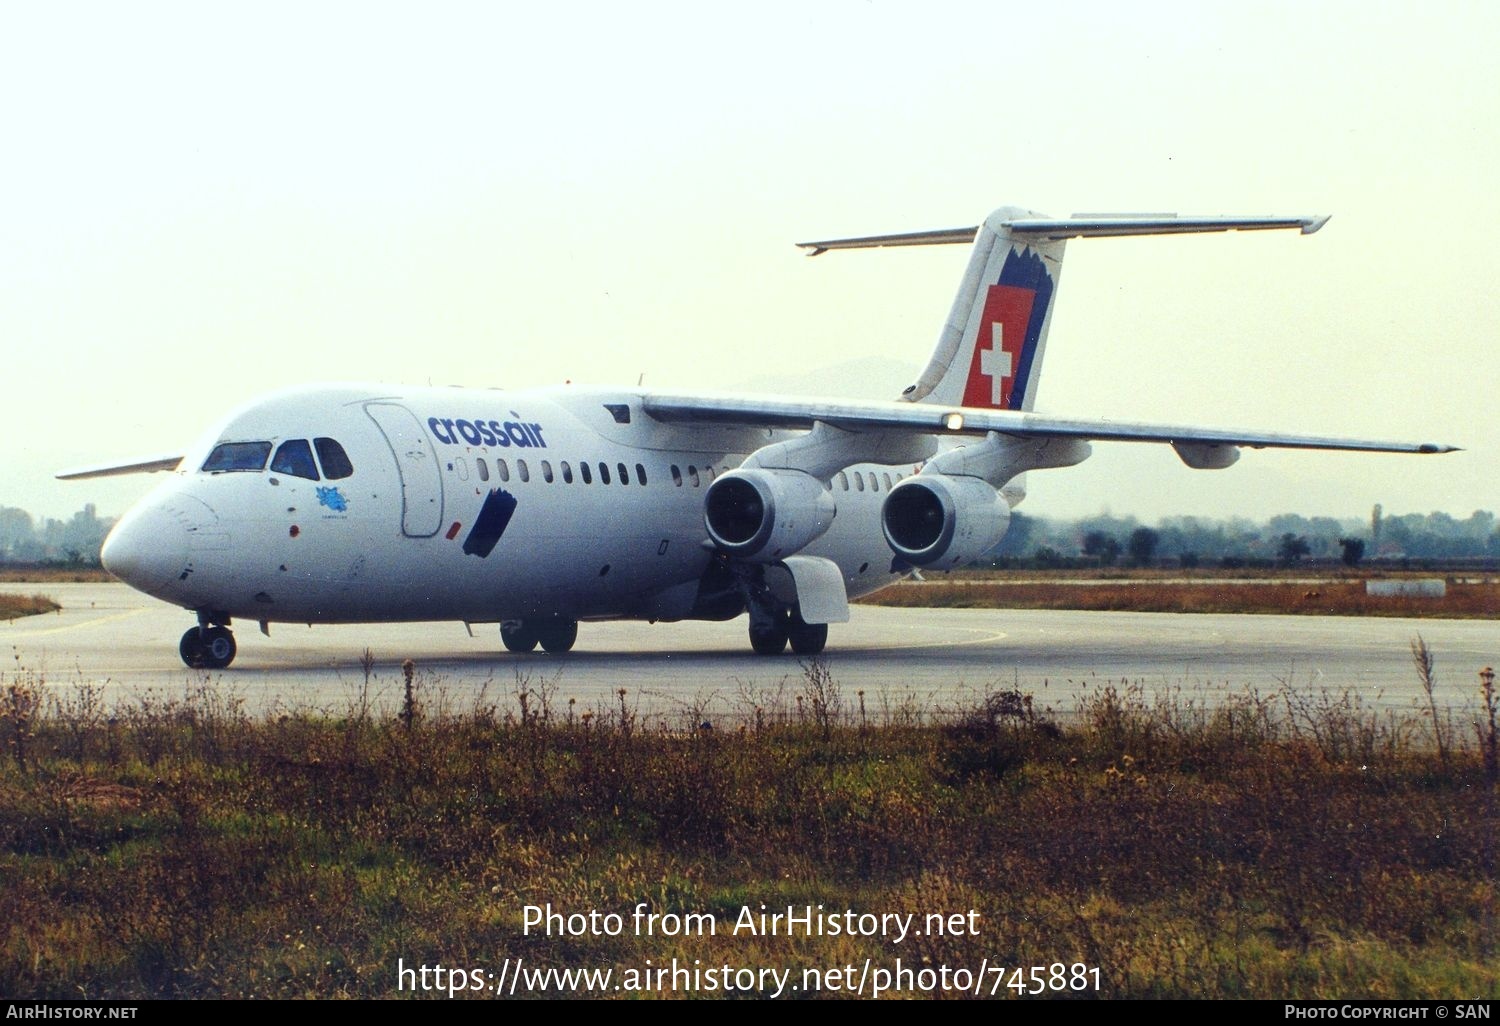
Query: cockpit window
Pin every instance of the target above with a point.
(295, 458)
(237, 456)
(336, 463)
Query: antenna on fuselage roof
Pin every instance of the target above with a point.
(640, 380)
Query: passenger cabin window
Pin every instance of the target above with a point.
(335, 461)
(676, 475)
(604, 473)
(640, 474)
(624, 477)
(588, 475)
(483, 467)
(843, 481)
(241, 456)
(693, 475)
(522, 472)
(503, 469)
(567, 472)
(295, 458)
(547, 471)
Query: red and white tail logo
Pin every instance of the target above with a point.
(997, 349)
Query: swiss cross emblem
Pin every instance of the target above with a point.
(996, 364)
(997, 348)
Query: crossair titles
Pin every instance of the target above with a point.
(457, 431)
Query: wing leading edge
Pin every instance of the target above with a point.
(854, 415)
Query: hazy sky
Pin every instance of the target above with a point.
(204, 202)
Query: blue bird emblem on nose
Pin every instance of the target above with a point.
(333, 499)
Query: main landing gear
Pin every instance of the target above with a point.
(770, 635)
(555, 635)
(209, 646)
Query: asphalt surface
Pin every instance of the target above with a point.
(902, 659)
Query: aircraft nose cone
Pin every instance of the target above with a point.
(152, 547)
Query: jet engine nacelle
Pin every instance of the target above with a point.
(938, 521)
(764, 515)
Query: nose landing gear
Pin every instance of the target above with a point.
(208, 646)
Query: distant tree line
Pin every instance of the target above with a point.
(1282, 540)
(75, 542)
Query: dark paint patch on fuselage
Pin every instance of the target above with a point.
(494, 516)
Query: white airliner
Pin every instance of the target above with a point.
(539, 509)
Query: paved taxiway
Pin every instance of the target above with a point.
(935, 657)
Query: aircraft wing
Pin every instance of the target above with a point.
(921, 418)
(150, 465)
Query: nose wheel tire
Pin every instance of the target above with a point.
(210, 649)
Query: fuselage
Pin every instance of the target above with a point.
(349, 503)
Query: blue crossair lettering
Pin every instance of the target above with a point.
(457, 431)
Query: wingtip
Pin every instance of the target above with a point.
(152, 465)
(1312, 224)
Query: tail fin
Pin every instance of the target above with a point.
(990, 349)
(989, 354)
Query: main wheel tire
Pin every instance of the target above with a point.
(191, 648)
(768, 640)
(558, 636)
(520, 638)
(807, 639)
(218, 648)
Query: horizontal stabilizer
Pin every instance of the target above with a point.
(1078, 226)
(936, 237)
(1101, 227)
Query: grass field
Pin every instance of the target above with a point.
(1293, 844)
(1464, 600)
(27, 574)
(13, 606)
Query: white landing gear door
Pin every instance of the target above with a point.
(815, 585)
(421, 481)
